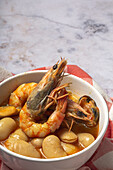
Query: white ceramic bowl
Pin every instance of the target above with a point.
(79, 86)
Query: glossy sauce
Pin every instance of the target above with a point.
(76, 128)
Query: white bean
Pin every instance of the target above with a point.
(37, 142)
(67, 136)
(52, 147)
(22, 147)
(85, 139)
(69, 148)
(19, 134)
(6, 111)
(7, 125)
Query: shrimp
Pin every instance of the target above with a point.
(38, 102)
(35, 129)
(20, 95)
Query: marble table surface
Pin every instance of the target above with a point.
(36, 33)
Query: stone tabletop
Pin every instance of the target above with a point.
(36, 33)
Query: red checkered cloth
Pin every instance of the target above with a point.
(102, 159)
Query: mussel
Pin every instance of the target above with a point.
(85, 111)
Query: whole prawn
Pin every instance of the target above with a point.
(38, 102)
